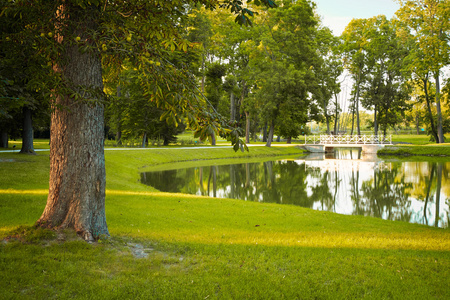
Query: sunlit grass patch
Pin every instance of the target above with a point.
(193, 219)
(30, 192)
(217, 271)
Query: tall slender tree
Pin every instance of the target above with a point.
(355, 57)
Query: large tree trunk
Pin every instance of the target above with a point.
(27, 132)
(77, 165)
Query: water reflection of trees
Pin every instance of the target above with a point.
(384, 193)
(322, 190)
(383, 199)
(168, 181)
(431, 180)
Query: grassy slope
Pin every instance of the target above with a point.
(417, 150)
(207, 248)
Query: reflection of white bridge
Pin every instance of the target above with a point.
(347, 165)
(325, 143)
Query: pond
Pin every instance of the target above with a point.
(344, 182)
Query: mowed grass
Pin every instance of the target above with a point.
(435, 150)
(416, 139)
(205, 248)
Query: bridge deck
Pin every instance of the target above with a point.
(368, 143)
(320, 148)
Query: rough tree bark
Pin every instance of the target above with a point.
(27, 132)
(77, 166)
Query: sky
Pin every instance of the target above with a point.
(336, 14)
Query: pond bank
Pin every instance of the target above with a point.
(416, 150)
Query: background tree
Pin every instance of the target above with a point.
(20, 68)
(385, 90)
(327, 70)
(355, 58)
(427, 24)
(286, 51)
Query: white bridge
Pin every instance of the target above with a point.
(326, 143)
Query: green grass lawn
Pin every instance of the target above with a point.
(175, 246)
(415, 139)
(417, 150)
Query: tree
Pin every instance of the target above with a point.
(284, 75)
(427, 24)
(214, 89)
(327, 70)
(20, 93)
(133, 113)
(235, 44)
(355, 58)
(384, 88)
(76, 35)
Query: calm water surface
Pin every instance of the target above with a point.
(344, 182)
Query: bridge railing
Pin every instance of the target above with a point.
(324, 139)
